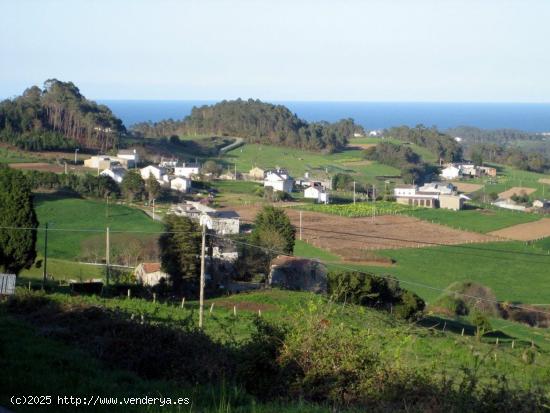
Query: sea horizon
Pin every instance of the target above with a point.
(526, 116)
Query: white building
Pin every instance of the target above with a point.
(130, 155)
(155, 171)
(451, 172)
(116, 174)
(168, 163)
(318, 193)
(221, 222)
(405, 190)
(187, 170)
(180, 184)
(440, 188)
(279, 180)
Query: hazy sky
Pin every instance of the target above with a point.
(380, 50)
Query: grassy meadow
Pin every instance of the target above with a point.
(516, 272)
(77, 226)
(298, 161)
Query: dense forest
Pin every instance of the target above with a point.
(513, 156)
(57, 117)
(442, 145)
(413, 169)
(256, 122)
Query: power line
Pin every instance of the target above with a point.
(389, 277)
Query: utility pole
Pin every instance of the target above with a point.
(202, 281)
(235, 172)
(107, 255)
(300, 225)
(44, 272)
(153, 209)
(354, 192)
(75, 152)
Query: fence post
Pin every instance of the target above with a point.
(211, 308)
(235, 310)
(129, 293)
(182, 302)
(154, 298)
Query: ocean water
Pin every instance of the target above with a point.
(533, 117)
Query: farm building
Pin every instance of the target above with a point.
(318, 193)
(187, 170)
(180, 184)
(130, 156)
(222, 222)
(155, 171)
(116, 174)
(279, 180)
(488, 171)
(256, 174)
(431, 195)
(101, 162)
(509, 204)
(450, 172)
(541, 204)
(150, 273)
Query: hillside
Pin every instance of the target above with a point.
(57, 116)
(361, 358)
(256, 122)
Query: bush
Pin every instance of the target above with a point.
(374, 291)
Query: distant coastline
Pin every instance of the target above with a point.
(531, 117)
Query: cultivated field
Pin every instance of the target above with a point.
(37, 166)
(545, 181)
(526, 232)
(466, 187)
(384, 232)
(516, 190)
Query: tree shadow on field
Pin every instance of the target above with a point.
(59, 195)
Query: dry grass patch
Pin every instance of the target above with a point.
(525, 232)
(516, 190)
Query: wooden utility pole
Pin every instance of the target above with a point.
(354, 192)
(44, 271)
(107, 255)
(202, 281)
(300, 225)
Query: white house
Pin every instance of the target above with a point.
(157, 172)
(168, 163)
(279, 180)
(318, 193)
(116, 174)
(440, 188)
(180, 184)
(450, 172)
(405, 190)
(130, 155)
(221, 222)
(149, 273)
(187, 170)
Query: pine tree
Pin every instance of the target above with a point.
(17, 246)
(180, 251)
(132, 186)
(152, 187)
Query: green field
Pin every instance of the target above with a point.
(477, 220)
(8, 155)
(509, 177)
(78, 224)
(299, 161)
(514, 271)
(426, 154)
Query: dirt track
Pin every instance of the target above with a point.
(358, 235)
(526, 232)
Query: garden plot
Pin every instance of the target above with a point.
(525, 232)
(516, 190)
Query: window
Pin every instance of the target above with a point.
(421, 202)
(428, 202)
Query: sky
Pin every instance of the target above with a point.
(341, 50)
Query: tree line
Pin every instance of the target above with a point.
(402, 157)
(256, 122)
(57, 116)
(512, 156)
(442, 145)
